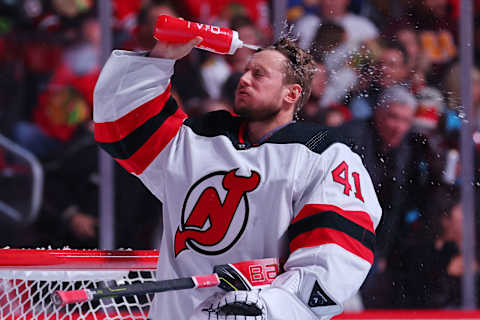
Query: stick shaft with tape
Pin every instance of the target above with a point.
(67, 297)
(243, 275)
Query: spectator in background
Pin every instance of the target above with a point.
(11, 86)
(435, 267)
(452, 123)
(407, 37)
(417, 62)
(437, 30)
(146, 19)
(393, 156)
(220, 12)
(312, 111)
(69, 214)
(34, 51)
(432, 111)
(67, 100)
(390, 68)
(359, 30)
(333, 77)
(331, 49)
(336, 115)
(452, 85)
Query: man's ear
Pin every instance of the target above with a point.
(294, 93)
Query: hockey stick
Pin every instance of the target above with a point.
(243, 275)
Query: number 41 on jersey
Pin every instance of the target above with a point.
(340, 174)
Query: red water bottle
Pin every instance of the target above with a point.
(215, 39)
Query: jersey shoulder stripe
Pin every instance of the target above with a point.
(137, 150)
(127, 146)
(320, 224)
(112, 131)
(361, 218)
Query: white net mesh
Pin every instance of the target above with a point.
(26, 294)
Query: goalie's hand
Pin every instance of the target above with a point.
(239, 305)
(167, 50)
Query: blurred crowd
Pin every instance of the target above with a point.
(388, 81)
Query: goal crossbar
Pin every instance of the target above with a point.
(28, 277)
(67, 259)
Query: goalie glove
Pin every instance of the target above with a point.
(266, 304)
(238, 305)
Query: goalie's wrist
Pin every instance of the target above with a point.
(282, 305)
(299, 291)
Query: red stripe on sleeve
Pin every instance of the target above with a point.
(359, 217)
(140, 160)
(321, 236)
(116, 130)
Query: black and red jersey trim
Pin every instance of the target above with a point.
(127, 146)
(321, 224)
(138, 137)
(112, 131)
(223, 123)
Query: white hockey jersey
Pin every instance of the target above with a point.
(299, 195)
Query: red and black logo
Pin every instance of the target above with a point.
(210, 226)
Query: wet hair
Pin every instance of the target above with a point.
(299, 68)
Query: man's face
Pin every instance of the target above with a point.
(261, 90)
(392, 67)
(319, 81)
(408, 39)
(393, 122)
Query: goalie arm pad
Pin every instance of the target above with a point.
(331, 238)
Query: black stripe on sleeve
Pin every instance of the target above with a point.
(332, 220)
(126, 147)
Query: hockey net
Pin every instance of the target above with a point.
(28, 277)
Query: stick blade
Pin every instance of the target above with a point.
(247, 275)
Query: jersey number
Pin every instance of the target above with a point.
(340, 175)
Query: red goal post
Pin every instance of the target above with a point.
(28, 277)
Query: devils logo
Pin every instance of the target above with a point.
(209, 226)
